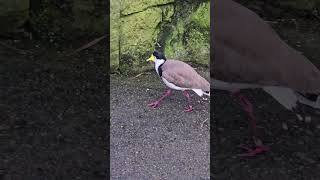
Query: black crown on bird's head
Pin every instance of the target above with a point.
(159, 55)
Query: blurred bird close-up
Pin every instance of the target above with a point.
(250, 55)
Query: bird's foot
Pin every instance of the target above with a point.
(188, 109)
(154, 104)
(251, 152)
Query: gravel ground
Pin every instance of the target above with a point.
(162, 143)
(53, 116)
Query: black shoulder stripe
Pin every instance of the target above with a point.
(160, 70)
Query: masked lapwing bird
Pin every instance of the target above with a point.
(250, 55)
(178, 75)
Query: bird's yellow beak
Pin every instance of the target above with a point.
(152, 58)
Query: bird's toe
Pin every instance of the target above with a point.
(251, 152)
(188, 109)
(154, 104)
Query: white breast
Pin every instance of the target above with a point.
(172, 86)
(158, 62)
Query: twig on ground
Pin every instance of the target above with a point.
(95, 41)
(204, 122)
(13, 48)
(137, 75)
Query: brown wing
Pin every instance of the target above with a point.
(183, 75)
(248, 50)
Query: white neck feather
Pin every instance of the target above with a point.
(158, 62)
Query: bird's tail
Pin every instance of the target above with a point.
(312, 100)
(201, 92)
(207, 93)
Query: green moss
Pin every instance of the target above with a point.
(139, 33)
(181, 28)
(189, 38)
(114, 35)
(135, 30)
(129, 66)
(133, 6)
(202, 16)
(87, 17)
(13, 14)
(198, 46)
(174, 47)
(167, 12)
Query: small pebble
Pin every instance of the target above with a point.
(308, 119)
(285, 126)
(90, 60)
(310, 133)
(299, 117)
(300, 142)
(4, 127)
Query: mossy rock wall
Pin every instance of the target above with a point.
(181, 28)
(90, 15)
(62, 19)
(189, 35)
(114, 34)
(62, 22)
(13, 14)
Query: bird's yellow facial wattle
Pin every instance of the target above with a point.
(152, 58)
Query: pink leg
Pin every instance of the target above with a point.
(247, 106)
(189, 107)
(251, 152)
(156, 103)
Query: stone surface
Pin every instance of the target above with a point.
(69, 21)
(138, 35)
(89, 15)
(189, 39)
(114, 34)
(13, 14)
(134, 6)
(180, 27)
